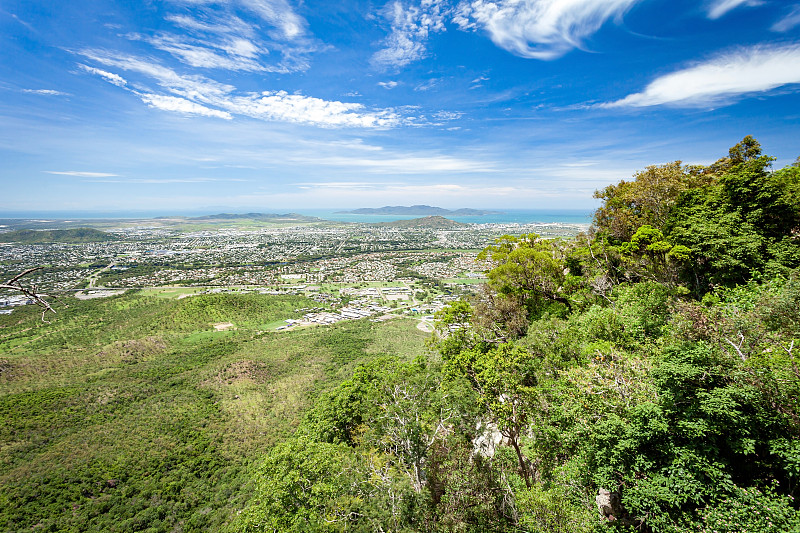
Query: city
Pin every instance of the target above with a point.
(353, 270)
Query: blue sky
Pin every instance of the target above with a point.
(274, 105)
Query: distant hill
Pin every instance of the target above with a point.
(76, 235)
(258, 216)
(421, 210)
(435, 222)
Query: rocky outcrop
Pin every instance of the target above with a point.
(610, 506)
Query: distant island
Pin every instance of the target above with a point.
(432, 222)
(418, 210)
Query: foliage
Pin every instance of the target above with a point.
(531, 268)
(132, 413)
(653, 360)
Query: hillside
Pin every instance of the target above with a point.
(75, 235)
(420, 210)
(641, 378)
(133, 412)
(257, 216)
(432, 222)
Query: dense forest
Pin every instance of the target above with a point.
(642, 377)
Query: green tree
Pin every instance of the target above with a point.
(647, 200)
(504, 381)
(531, 268)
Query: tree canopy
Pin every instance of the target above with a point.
(643, 377)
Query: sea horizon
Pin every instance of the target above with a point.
(500, 216)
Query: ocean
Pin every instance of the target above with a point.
(507, 216)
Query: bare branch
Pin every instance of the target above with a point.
(31, 291)
(739, 347)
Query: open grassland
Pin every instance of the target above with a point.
(133, 413)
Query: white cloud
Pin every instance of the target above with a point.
(718, 8)
(201, 96)
(115, 79)
(353, 144)
(539, 29)
(282, 106)
(478, 82)
(79, 174)
(235, 55)
(190, 87)
(220, 25)
(167, 181)
(388, 84)
(448, 115)
(427, 85)
(215, 37)
(348, 185)
(279, 14)
(410, 28)
(45, 92)
(181, 105)
(719, 80)
(366, 193)
(790, 21)
(406, 164)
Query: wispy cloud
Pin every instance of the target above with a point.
(205, 97)
(27, 25)
(379, 191)
(80, 174)
(282, 106)
(388, 84)
(45, 92)
(181, 105)
(719, 8)
(166, 181)
(410, 27)
(720, 80)
(539, 29)
(216, 37)
(478, 82)
(448, 115)
(280, 14)
(791, 20)
(347, 185)
(406, 164)
(222, 24)
(236, 54)
(277, 13)
(427, 85)
(191, 87)
(115, 79)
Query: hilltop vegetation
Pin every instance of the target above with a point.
(269, 217)
(437, 222)
(133, 413)
(75, 235)
(649, 368)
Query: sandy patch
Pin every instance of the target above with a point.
(425, 325)
(89, 295)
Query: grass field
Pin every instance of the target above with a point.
(132, 413)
